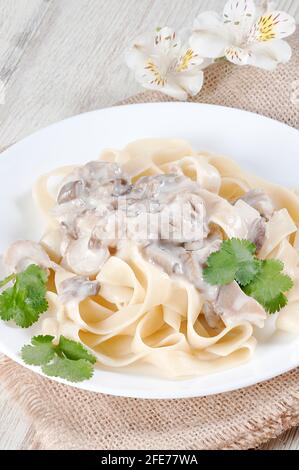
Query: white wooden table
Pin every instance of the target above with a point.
(63, 57)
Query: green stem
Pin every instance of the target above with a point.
(7, 280)
(221, 59)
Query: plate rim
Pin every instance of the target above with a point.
(150, 104)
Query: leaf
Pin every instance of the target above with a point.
(233, 261)
(73, 371)
(74, 350)
(276, 304)
(269, 285)
(41, 352)
(6, 309)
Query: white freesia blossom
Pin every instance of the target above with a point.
(161, 62)
(245, 34)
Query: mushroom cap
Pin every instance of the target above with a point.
(77, 288)
(83, 260)
(23, 253)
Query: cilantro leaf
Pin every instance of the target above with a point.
(269, 285)
(6, 310)
(234, 260)
(26, 300)
(73, 371)
(276, 304)
(69, 359)
(41, 352)
(74, 350)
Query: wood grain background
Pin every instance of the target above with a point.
(63, 57)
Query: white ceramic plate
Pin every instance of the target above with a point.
(261, 145)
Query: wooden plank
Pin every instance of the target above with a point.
(287, 441)
(14, 426)
(62, 57)
(19, 21)
(75, 63)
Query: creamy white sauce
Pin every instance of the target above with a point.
(98, 206)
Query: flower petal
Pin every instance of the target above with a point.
(170, 88)
(209, 36)
(163, 43)
(275, 25)
(141, 48)
(191, 83)
(239, 13)
(268, 55)
(237, 55)
(265, 6)
(166, 41)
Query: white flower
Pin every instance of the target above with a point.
(245, 34)
(161, 62)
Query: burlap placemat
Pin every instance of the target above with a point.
(66, 418)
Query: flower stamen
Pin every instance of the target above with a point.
(185, 60)
(158, 79)
(266, 27)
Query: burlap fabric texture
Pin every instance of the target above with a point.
(66, 418)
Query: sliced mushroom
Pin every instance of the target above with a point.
(67, 213)
(70, 191)
(85, 223)
(122, 187)
(102, 172)
(212, 319)
(193, 246)
(162, 187)
(259, 200)
(255, 224)
(257, 232)
(234, 307)
(83, 260)
(184, 219)
(193, 271)
(77, 288)
(164, 257)
(202, 250)
(23, 253)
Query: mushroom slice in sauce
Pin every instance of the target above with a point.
(70, 191)
(102, 172)
(257, 233)
(162, 188)
(184, 219)
(212, 319)
(259, 200)
(193, 272)
(82, 259)
(167, 257)
(234, 307)
(77, 288)
(202, 250)
(255, 224)
(22, 254)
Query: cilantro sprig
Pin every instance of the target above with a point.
(261, 279)
(26, 300)
(68, 359)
